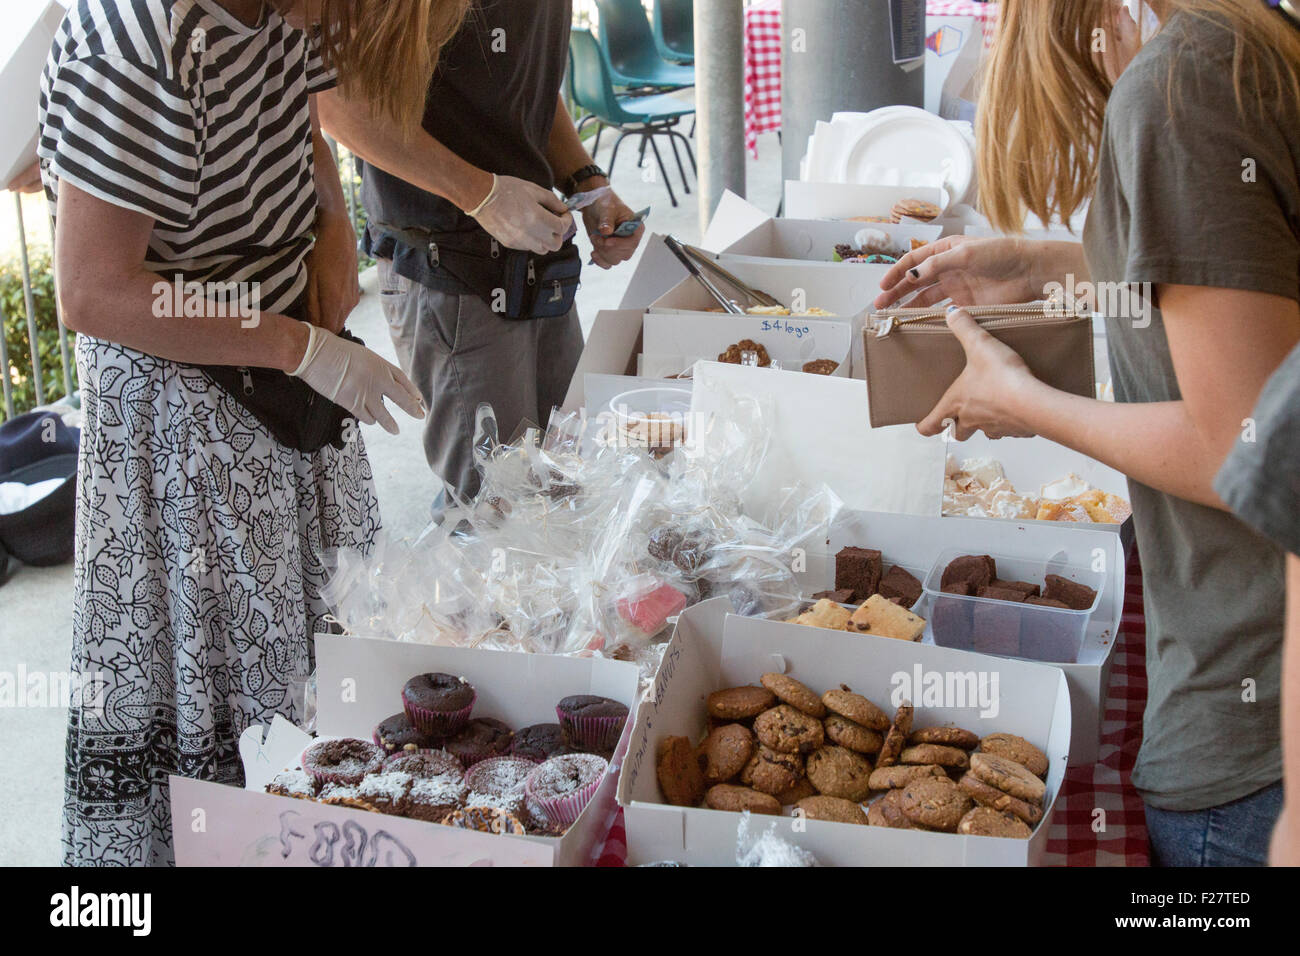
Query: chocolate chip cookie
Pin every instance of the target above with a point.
(801, 789)
(724, 752)
(833, 809)
(679, 773)
(789, 730)
(935, 802)
(792, 692)
(985, 821)
(770, 771)
(739, 703)
(896, 737)
(856, 708)
(839, 772)
(726, 796)
(1017, 749)
(994, 798)
(947, 736)
(1008, 776)
(846, 733)
(900, 775)
(888, 812)
(935, 754)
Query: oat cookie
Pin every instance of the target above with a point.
(935, 754)
(896, 737)
(679, 773)
(801, 789)
(792, 692)
(900, 775)
(833, 809)
(770, 771)
(1018, 749)
(726, 796)
(994, 798)
(739, 703)
(1008, 776)
(856, 708)
(916, 209)
(724, 752)
(888, 812)
(985, 821)
(935, 802)
(839, 772)
(947, 736)
(846, 733)
(789, 730)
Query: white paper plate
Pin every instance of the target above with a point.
(910, 139)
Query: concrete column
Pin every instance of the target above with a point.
(719, 101)
(837, 57)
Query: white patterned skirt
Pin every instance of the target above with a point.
(198, 581)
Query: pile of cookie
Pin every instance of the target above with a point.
(918, 210)
(433, 762)
(884, 598)
(1002, 628)
(749, 352)
(781, 745)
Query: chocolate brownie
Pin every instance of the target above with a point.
(858, 570)
(901, 585)
(839, 596)
(1072, 594)
(1001, 594)
(977, 570)
(1029, 590)
(1049, 637)
(950, 619)
(995, 629)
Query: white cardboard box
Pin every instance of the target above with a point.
(359, 683)
(711, 649)
(846, 200)
(673, 342)
(916, 542)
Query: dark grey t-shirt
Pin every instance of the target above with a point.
(1173, 206)
(1261, 478)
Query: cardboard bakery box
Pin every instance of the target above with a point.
(712, 649)
(1031, 463)
(673, 342)
(24, 47)
(359, 683)
(796, 285)
(917, 542)
(806, 200)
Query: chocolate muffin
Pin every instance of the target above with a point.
(538, 742)
(344, 760)
(591, 723)
(438, 704)
(397, 734)
(480, 739)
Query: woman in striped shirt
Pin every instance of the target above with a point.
(199, 219)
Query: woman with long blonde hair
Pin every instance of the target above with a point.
(205, 257)
(1187, 146)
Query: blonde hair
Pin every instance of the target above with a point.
(1044, 96)
(385, 51)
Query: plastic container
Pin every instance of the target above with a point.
(652, 418)
(1007, 628)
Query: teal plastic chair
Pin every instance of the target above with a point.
(674, 30)
(629, 43)
(592, 86)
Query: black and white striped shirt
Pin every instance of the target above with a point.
(176, 109)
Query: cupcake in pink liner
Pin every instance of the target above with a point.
(426, 763)
(499, 782)
(343, 760)
(564, 785)
(591, 723)
(480, 739)
(396, 734)
(438, 704)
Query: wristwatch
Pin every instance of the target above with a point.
(586, 172)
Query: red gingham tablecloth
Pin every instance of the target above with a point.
(1120, 834)
(763, 57)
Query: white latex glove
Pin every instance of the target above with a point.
(523, 215)
(353, 376)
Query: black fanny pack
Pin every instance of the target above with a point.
(296, 414)
(512, 282)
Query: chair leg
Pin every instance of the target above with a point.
(689, 153)
(595, 146)
(692, 132)
(672, 141)
(640, 159)
(613, 156)
(672, 197)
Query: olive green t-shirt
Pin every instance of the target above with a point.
(1199, 196)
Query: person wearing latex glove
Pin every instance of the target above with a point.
(1196, 276)
(350, 375)
(464, 199)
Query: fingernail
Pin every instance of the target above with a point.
(914, 273)
(953, 308)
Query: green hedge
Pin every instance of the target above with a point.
(47, 331)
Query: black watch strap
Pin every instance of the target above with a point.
(586, 172)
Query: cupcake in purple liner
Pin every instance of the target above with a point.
(481, 738)
(344, 760)
(539, 743)
(387, 791)
(498, 782)
(564, 785)
(438, 704)
(397, 734)
(591, 723)
(426, 763)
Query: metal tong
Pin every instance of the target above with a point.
(705, 269)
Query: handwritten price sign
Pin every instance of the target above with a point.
(325, 843)
(789, 328)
